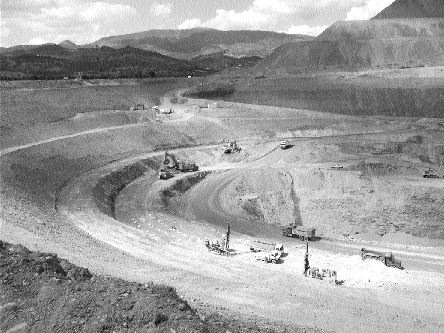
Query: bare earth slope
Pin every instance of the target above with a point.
(412, 8)
(364, 44)
(50, 189)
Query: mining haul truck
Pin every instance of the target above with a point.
(299, 231)
(386, 257)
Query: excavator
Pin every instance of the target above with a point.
(232, 147)
(170, 162)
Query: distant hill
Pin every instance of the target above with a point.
(52, 61)
(220, 61)
(364, 44)
(55, 62)
(67, 44)
(412, 9)
(190, 43)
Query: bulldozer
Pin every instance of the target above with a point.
(232, 147)
(171, 162)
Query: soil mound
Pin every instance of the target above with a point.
(412, 8)
(43, 293)
(365, 44)
(383, 29)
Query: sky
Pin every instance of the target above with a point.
(85, 21)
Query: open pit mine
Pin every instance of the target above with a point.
(304, 194)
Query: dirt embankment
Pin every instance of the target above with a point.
(44, 293)
(313, 94)
(109, 186)
(171, 198)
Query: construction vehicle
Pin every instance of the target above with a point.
(386, 257)
(430, 173)
(222, 247)
(232, 147)
(137, 107)
(165, 174)
(285, 144)
(171, 162)
(323, 274)
(271, 257)
(299, 231)
(216, 247)
(160, 110)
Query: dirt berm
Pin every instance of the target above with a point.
(44, 293)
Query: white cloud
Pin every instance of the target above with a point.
(161, 9)
(367, 10)
(304, 15)
(37, 41)
(56, 20)
(230, 19)
(191, 23)
(278, 6)
(306, 30)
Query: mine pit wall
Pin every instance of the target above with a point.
(171, 198)
(344, 99)
(107, 189)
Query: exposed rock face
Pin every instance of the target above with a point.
(265, 194)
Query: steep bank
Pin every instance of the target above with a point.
(32, 282)
(370, 93)
(356, 45)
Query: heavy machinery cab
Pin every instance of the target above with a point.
(232, 147)
(284, 144)
(165, 174)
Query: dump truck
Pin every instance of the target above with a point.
(232, 147)
(386, 257)
(430, 173)
(299, 231)
(171, 162)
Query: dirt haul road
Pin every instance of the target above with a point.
(169, 249)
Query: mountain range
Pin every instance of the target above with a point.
(407, 33)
